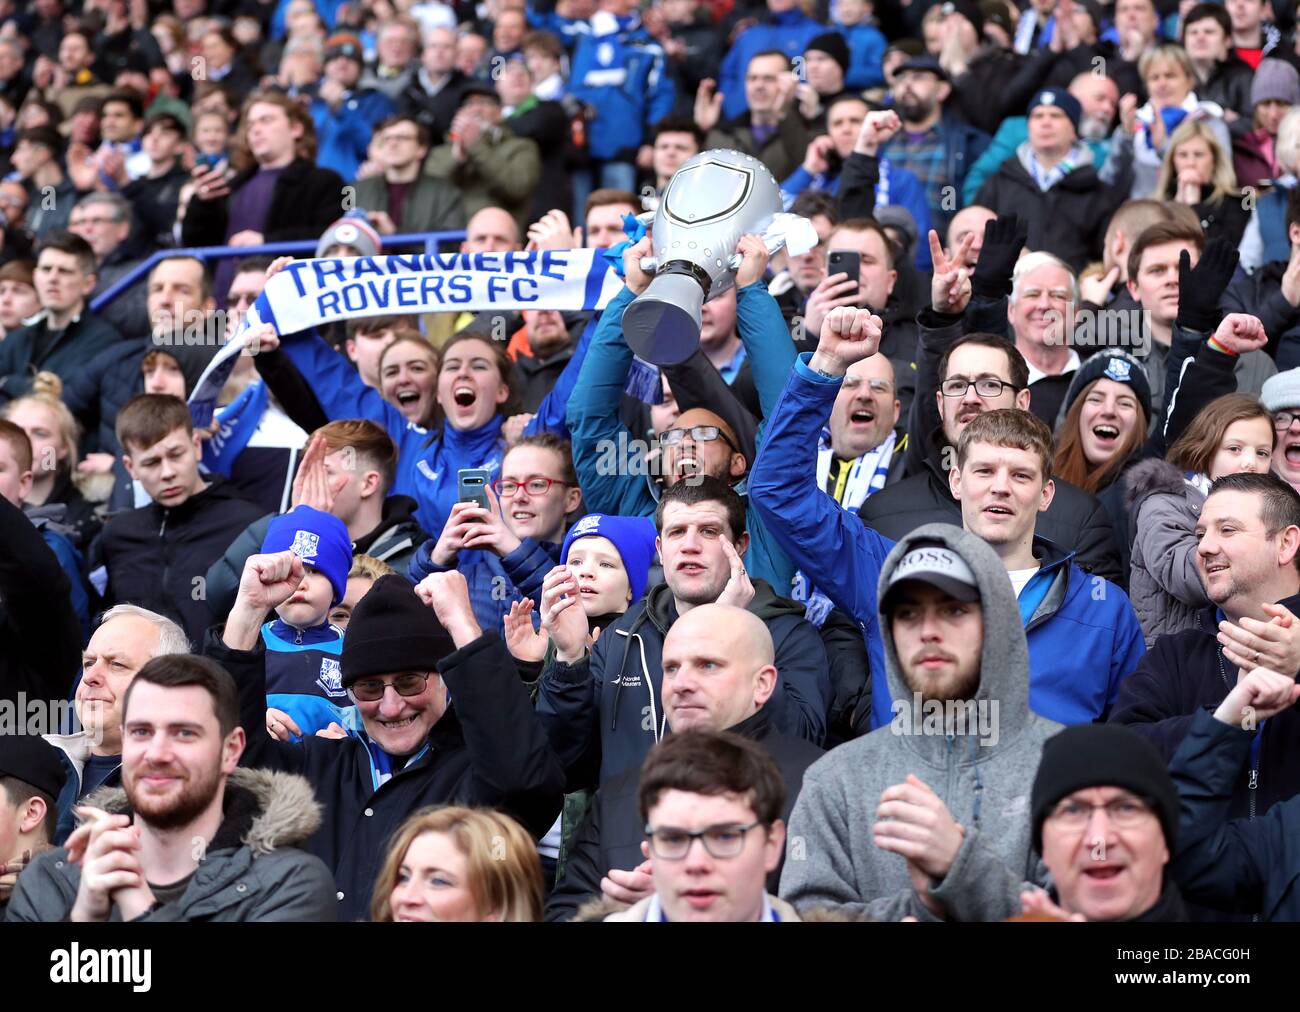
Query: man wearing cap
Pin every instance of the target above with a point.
(1105, 820)
(444, 718)
(926, 817)
(31, 777)
(484, 160)
(345, 114)
(719, 673)
(935, 147)
(1083, 636)
(1238, 865)
(825, 67)
(1281, 395)
(1052, 183)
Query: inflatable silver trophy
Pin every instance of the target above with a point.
(712, 201)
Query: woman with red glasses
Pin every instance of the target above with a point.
(505, 551)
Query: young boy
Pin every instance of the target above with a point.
(302, 645)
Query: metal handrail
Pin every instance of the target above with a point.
(429, 240)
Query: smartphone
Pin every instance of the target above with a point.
(471, 485)
(844, 261)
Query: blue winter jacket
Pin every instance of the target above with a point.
(1084, 638)
(427, 461)
(598, 434)
(897, 186)
(343, 134)
(622, 75)
(788, 32)
(568, 30)
(866, 53)
(495, 583)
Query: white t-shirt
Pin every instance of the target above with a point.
(1021, 577)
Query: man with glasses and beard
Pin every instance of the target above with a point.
(189, 837)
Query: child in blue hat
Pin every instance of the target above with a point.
(303, 680)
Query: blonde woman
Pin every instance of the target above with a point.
(1197, 171)
(459, 864)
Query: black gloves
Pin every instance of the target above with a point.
(1004, 238)
(1201, 287)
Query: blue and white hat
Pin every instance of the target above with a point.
(1116, 365)
(319, 539)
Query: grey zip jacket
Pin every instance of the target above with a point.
(981, 765)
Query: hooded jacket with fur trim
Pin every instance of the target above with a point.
(252, 869)
(980, 762)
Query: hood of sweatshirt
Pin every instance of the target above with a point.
(1003, 693)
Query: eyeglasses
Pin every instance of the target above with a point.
(698, 433)
(1282, 419)
(722, 842)
(1125, 813)
(985, 386)
(536, 485)
(368, 690)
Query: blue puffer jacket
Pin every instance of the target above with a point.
(866, 52)
(598, 434)
(495, 583)
(897, 186)
(343, 134)
(788, 32)
(1084, 638)
(622, 75)
(427, 461)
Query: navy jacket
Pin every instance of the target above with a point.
(1185, 673)
(1247, 866)
(609, 703)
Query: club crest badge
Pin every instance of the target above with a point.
(330, 678)
(305, 545)
(1119, 370)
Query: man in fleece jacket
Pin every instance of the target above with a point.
(929, 816)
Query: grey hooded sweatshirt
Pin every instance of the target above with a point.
(981, 767)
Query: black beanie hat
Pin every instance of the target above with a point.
(834, 46)
(1102, 755)
(1112, 364)
(31, 759)
(391, 631)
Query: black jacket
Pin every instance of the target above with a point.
(547, 125)
(306, 201)
(40, 635)
(1068, 220)
(68, 355)
(434, 111)
(1243, 866)
(1260, 294)
(1184, 673)
(488, 749)
(1229, 86)
(611, 834)
(158, 558)
(97, 393)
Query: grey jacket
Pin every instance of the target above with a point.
(983, 775)
(252, 871)
(1164, 584)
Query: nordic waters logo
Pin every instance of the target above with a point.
(102, 966)
(942, 717)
